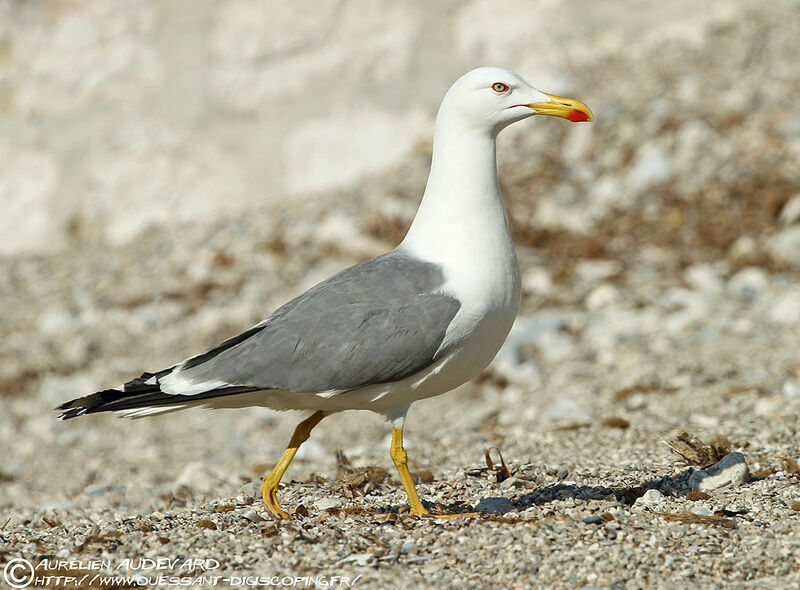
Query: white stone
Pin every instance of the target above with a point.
(749, 284)
(785, 245)
(701, 511)
(790, 212)
(786, 309)
(731, 471)
(252, 490)
(326, 503)
(564, 209)
(608, 192)
(649, 499)
(603, 296)
(791, 389)
(311, 450)
(744, 248)
(592, 271)
(537, 281)
(652, 166)
(704, 277)
(565, 409)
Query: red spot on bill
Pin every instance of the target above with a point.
(577, 116)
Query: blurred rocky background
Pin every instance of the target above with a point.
(170, 172)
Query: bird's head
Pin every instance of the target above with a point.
(490, 99)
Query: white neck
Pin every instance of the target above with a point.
(461, 224)
(462, 195)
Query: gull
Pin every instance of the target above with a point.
(407, 325)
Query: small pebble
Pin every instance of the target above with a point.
(701, 511)
(650, 498)
(252, 490)
(731, 471)
(594, 519)
(253, 516)
(510, 482)
(326, 503)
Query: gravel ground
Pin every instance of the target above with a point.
(660, 268)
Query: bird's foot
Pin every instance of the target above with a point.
(454, 515)
(422, 511)
(270, 494)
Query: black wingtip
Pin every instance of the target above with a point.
(88, 404)
(73, 413)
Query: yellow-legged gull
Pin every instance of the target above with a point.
(410, 324)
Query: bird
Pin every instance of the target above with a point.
(409, 324)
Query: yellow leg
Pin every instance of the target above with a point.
(269, 489)
(400, 459)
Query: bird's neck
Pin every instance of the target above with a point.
(462, 203)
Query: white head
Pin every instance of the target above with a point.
(490, 99)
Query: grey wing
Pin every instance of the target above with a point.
(376, 322)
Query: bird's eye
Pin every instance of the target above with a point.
(500, 87)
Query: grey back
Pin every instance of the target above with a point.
(376, 322)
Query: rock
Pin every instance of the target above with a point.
(651, 167)
(608, 192)
(790, 212)
(786, 310)
(495, 505)
(785, 246)
(510, 363)
(701, 511)
(649, 499)
(197, 477)
(731, 471)
(603, 296)
(537, 281)
(326, 503)
(565, 410)
(312, 450)
(95, 490)
(594, 519)
(510, 482)
(745, 248)
(360, 559)
(791, 389)
(252, 490)
(253, 516)
(749, 284)
(58, 505)
(593, 271)
(705, 278)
